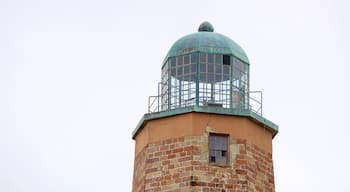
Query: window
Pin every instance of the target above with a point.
(226, 60)
(210, 58)
(173, 62)
(218, 59)
(194, 58)
(186, 59)
(218, 148)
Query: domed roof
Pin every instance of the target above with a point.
(207, 41)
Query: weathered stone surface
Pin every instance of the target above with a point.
(182, 164)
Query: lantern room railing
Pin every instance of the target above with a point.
(254, 104)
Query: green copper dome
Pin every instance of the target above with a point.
(207, 41)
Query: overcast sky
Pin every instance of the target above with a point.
(75, 77)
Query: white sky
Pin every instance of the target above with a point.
(75, 77)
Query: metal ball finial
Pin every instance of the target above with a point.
(206, 26)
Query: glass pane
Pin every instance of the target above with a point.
(218, 142)
(218, 69)
(210, 58)
(218, 59)
(186, 69)
(211, 78)
(186, 78)
(194, 57)
(217, 156)
(210, 68)
(202, 77)
(220, 158)
(226, 77)
(226, 70)
(203, 58)
(173, 72)
(173, 62)
(179, 71)
(186, 59)
(193, 68)
(179, 60)
(193, 77)
(203, 68)
(218, 78)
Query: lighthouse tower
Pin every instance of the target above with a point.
(204, 131)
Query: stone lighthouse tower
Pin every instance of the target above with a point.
(204, 131)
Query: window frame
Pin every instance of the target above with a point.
(227, 137)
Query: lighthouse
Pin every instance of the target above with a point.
(204, 130)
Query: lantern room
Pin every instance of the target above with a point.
(203, 69)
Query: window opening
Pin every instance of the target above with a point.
(226, 59)
(218, 148)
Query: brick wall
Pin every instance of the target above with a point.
(181, 164)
